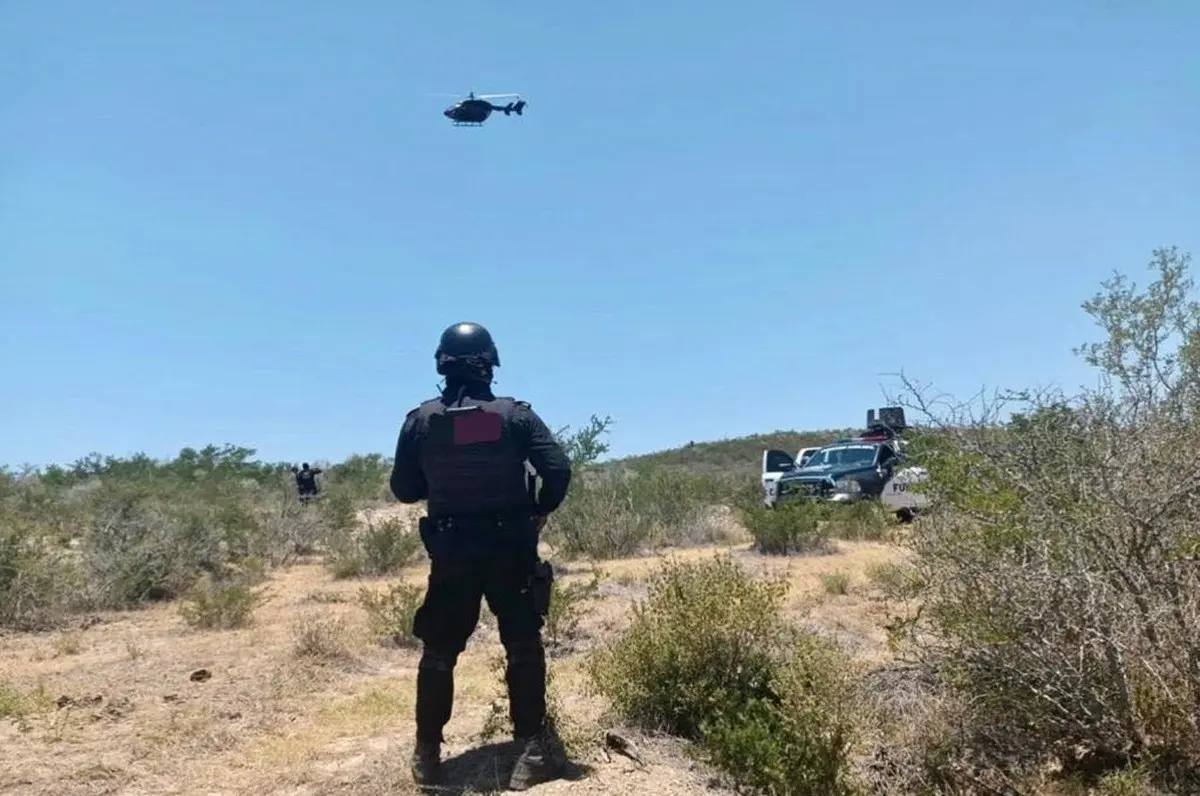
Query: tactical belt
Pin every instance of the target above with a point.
(481, 522)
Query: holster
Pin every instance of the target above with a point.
(540, 586)
(426, 528)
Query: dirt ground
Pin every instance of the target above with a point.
(137, 703)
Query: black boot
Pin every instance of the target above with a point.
(526, 680)
(542, 759)
(435, 699)
(426, 763)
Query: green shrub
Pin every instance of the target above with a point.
(390, 614)
(290, 530)
(597, 521)
(142, 550)
(808, 527)
(835, 583)
(621, 512)
(360, 479)
(708, 657)
(797, 742)
(383, 548)
(703, 637)
(790, 528)
(338, 515)
(862, 520)
(17, 704)
(566, 608)
(616, 511)
(109, 533)
(220, 606)
(322, 640)
(898, 581)
(38, 577)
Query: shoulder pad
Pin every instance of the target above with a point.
(420, 406)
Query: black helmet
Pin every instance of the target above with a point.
(464, 341)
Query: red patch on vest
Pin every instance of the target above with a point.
(475, 427)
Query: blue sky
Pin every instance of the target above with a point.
(248, 222)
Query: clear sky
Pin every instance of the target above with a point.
(248, 222)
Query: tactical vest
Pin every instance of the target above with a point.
(472, 463)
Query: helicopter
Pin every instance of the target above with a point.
(474, 110)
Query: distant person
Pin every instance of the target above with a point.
(465, 454)
(306, 481)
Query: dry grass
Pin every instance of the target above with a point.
(302, 703)
(392, 511)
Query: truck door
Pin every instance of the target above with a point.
(774, 464)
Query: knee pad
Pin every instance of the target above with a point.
(438, 660)
(525, 652)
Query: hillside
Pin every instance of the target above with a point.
(738, 457)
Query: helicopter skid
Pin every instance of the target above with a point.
(468, 124)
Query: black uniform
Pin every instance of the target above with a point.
(464, 453)
(306, 481)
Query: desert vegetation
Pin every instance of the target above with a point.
(187, 626)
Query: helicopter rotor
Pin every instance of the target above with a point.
(473, 95)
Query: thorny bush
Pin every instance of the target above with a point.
(801, 527)
(621, 510)
(788, 529)
(382, 548)
(390, 613)
(1061, 591)
(709, 657)
(116, 533)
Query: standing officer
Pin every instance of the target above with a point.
(464, 453)
(306, 481)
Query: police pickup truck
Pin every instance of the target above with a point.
(870, 466)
